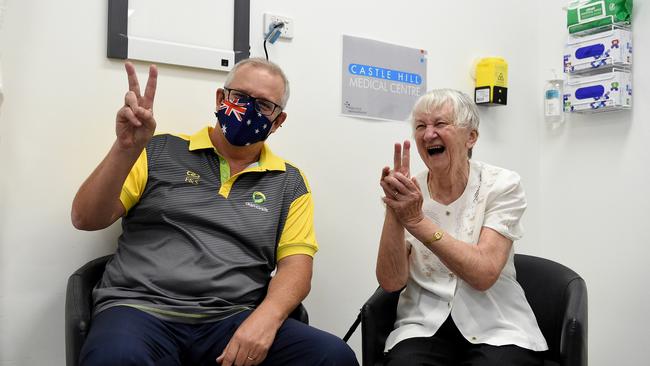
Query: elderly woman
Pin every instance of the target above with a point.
(447, 242)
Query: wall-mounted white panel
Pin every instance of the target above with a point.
(196, 33)
(206, 23)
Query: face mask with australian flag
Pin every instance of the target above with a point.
(241, 123)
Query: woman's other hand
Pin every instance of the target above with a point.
(405, 200)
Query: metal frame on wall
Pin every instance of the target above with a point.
(121, 46)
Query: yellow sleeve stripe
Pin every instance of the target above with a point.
(291, 249)
(135, 182)
(298, 236)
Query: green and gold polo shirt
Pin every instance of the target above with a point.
(199, 244)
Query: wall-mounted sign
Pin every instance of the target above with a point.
(381, 80)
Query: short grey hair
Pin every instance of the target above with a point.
(464, 110)
(261, 63)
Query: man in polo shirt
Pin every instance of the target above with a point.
(206, 219)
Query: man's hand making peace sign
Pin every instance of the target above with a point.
(97, 203)
(135, 124)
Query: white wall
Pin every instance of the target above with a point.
(343, 157)
(61, 95)
(594, 191)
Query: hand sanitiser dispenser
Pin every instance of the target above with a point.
(553, 106)
(553, 101)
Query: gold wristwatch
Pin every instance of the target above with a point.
(436, 236)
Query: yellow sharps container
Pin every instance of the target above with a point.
(491, 81)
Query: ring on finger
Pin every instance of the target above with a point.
(250, 358)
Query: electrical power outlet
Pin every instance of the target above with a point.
(286, 31)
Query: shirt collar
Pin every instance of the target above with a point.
(268, 160)
(201, 140)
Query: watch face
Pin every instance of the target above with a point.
(437, 235)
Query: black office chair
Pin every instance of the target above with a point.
(79, 305)
(557, 295)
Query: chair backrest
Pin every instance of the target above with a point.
(377, 321)
(558, 297)
(79, 305)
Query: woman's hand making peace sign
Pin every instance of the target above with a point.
(403, 194)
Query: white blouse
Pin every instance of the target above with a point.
(499, 316)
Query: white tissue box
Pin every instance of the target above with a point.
(599, 51)
(599, 93)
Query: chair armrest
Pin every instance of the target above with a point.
(377, 321)
(573, 339)
(300, 314)
(78, 306)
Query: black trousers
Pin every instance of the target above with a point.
(448, 347)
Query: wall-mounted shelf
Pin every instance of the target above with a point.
(600, 52)
(598, 59)
(605, 92)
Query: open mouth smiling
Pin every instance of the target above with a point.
(435, 150)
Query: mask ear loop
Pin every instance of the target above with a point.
(272, 122)
(271, 128)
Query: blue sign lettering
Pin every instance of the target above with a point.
(386, 74)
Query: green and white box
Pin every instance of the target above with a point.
(591, 15)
